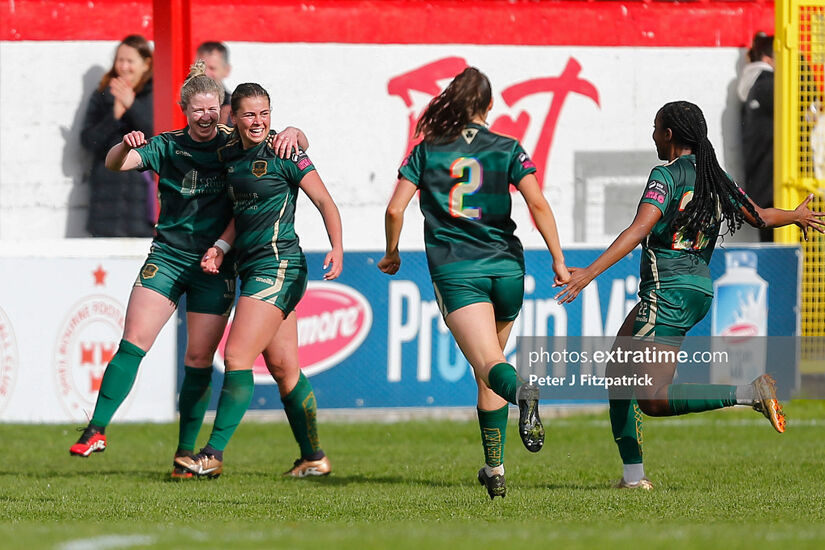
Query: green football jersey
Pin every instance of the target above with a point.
(465, 199)
(264, 190)
(194, 208)
(671, 259)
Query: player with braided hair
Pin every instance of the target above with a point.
(684, 204)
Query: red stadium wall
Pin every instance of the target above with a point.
(574, 23)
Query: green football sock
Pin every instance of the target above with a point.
(118, 380)
(626, 422)
(690, 398)
(300, 408)
(504, 380)
(195, 393)
(493, 434)
(236, 395)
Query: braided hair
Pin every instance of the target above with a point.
(449, 112)
(715, 196)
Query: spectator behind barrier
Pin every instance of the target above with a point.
(121, 204)
(216, 56)
(755, 90)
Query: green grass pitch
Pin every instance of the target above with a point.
(723, 480)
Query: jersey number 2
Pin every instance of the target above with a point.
(469, 168)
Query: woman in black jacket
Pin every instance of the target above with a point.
(120, 203)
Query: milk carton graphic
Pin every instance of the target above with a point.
(739, 321)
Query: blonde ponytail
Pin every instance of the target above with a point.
(198, 83)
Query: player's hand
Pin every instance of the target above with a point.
(334, 262)
(579, 278)
(134, 139)
(808, 219)
(285, 141)
(212, 260)
(122, 91)
(390, 263)
(562, 274)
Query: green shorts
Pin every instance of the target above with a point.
(666, 314)
(173, 272)
(505, 293)
(278, 282)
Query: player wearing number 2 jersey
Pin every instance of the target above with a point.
(464, 172)
(683, 207)
(468, 230)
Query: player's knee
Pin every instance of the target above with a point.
(236, 361)
(655, 407)
(139, 338)
(198, 358)
(277, 371)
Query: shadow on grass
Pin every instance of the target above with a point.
(334, 480)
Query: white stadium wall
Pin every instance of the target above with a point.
(358, 129)
(354, 92)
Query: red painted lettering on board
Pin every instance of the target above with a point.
(426, 79)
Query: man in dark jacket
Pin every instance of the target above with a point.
(755, 90)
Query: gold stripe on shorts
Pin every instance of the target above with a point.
(277, 229)
(439, 300)
(270, 294)
(648, 329)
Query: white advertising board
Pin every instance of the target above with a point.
(61, 319)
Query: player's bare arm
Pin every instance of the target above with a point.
(546, 224)
(646, 217)
(123, 157)
(393, 222)
(317, 192)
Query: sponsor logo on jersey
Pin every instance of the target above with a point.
(297, 154)
(525, 161)
(9, 362)
(86, 342)
(656, 191)
(303, 163)
(259, 168)
(183, 153)
(148, 271)
(333, 321)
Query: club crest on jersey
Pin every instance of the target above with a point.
(259, 168)
(149, 271)
(469, 134)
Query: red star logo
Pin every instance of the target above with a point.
(100, 276)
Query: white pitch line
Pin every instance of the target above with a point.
(105, 542)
